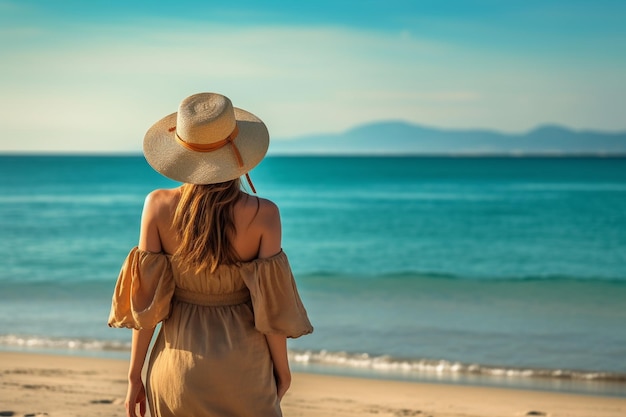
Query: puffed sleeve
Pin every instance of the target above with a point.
(143, 292)
(275, 300)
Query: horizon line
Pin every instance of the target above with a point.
(565, 154)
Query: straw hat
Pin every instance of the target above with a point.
(207, 141)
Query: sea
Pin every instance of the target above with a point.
(496, 271)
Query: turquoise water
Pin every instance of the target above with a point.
(506, 271)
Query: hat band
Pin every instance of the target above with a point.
(210, 147)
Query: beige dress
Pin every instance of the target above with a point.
(210, 358)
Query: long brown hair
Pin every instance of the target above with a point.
(205, 226)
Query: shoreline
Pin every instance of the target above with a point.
(386, 368)
(35, 384)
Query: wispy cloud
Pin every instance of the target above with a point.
(99, 86)
(300, 80)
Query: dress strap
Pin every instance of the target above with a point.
(212, 300)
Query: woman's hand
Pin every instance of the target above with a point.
(136, 394)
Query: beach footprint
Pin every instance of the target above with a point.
(13, 414)
(536, 413)
(406, 412)
(114, 401)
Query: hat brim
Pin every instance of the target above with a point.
(173, 160)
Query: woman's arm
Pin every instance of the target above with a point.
(149, 241)
(270, 246)
(278, 350)
(136, 393)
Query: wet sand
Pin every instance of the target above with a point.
(69, 386)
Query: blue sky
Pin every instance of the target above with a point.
(92, 76)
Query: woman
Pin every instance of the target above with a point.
(209, 265)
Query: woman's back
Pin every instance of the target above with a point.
(257, 225)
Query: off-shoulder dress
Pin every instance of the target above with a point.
(210, 357)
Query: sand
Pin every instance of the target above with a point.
(68, 386)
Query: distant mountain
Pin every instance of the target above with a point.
(401, 138)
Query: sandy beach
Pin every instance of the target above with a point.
(55, 386)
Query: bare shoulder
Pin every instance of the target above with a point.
(159, 199)
(162, 194)
(268, 214)
(160, 205)
(156, 218)
(268, 220)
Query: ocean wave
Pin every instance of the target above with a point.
(381, 364)
(72, 344)
(387, 364)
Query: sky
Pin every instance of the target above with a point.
(93, 76)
